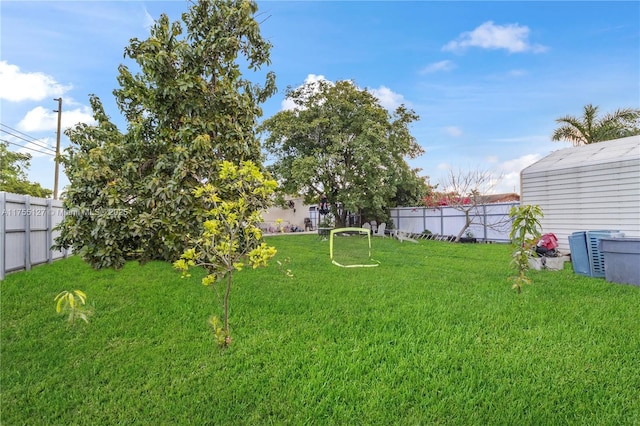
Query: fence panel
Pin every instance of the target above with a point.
(26, 231)
(490, 222)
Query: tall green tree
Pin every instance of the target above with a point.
(13, 175)
(188, 109)
(340, 141)
(590, 128)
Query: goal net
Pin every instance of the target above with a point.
(351, 248)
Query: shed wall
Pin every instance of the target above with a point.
(591, 196)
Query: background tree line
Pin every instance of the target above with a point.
(190, 107)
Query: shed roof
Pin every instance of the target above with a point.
(598, 153)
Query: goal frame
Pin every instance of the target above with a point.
(352, 229)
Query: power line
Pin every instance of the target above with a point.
(26, 147)
(52, 152)
(31, 140)
(17, 131)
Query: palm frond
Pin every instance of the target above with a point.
(590, 129)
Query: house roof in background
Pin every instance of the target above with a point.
(500, 198)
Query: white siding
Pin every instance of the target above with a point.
(593, 187)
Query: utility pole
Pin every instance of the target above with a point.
(55, 181)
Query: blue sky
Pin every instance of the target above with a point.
(488, 79)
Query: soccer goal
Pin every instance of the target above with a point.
(351, 248)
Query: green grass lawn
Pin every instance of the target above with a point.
(434, 335)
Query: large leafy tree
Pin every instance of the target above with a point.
(340, 141)
(188, 109)
(590, 128)
(411, 187)
(13, 176)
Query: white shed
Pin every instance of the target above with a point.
(586, 188)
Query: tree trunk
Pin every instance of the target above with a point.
(467, 223)
(341, 219)
(226, 306)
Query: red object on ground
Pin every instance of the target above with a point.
(548, 241)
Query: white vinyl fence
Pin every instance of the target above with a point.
(26, 231)
(490, 221)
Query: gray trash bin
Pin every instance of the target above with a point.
(586, 257)
(621, 260)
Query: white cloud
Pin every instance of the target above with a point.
(38, 119)
(79, 115)
(520, 163)
(510, 182)
(453, 131)
(510, 171)
(149, 21)
(504, 176)
(517, 73)
(16, 86)
(438, 66)
(288, 104)
(312, 78)
(512, 37)
(43, 119)
(388, 98)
